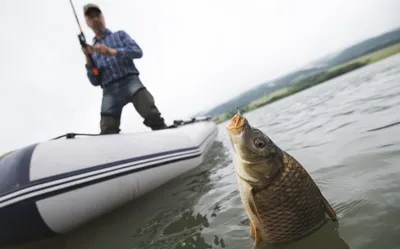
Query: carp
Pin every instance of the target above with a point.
(281, 199)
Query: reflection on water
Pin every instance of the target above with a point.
(344, 132)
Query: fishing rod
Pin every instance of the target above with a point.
(82, 41)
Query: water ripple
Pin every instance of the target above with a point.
(384, 127)
(343, 113)
(318, 126)
(340, 126)
(343, 208)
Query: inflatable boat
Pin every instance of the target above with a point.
(54, 186)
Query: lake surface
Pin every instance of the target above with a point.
(345, 132)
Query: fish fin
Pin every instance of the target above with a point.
(330, 211)
(255, 234)
(254, 231)
(253, 205)
(257, 238)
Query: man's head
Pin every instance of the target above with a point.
(94, 17)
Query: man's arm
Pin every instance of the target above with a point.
(130, 49)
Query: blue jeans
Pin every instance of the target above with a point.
(118, 94)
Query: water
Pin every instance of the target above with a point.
(345, 133)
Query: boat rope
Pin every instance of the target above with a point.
(73, 135)
(175, 124)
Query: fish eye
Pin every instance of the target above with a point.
(259, 143)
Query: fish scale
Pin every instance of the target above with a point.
(292, 206)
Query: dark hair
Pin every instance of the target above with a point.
(93, 10)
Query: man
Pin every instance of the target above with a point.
(113, 54)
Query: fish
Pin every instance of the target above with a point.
(282, 201)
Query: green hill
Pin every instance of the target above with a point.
(369, 50)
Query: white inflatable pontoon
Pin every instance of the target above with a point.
(52, 187)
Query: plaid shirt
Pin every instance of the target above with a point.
(113, 68)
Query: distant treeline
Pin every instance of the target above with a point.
(366, 47)
(297, 87)
(381, 46)
(327, 75)
(374, 49)
(309, 82)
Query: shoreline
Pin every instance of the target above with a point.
(313, 80)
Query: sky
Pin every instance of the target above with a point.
(196, 54)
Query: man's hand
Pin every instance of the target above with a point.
(87, 50)
(103, 49)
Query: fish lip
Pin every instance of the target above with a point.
(237, 124)
(236, 130)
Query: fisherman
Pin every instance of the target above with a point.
(113, 54)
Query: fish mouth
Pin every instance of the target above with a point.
(237, 124)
